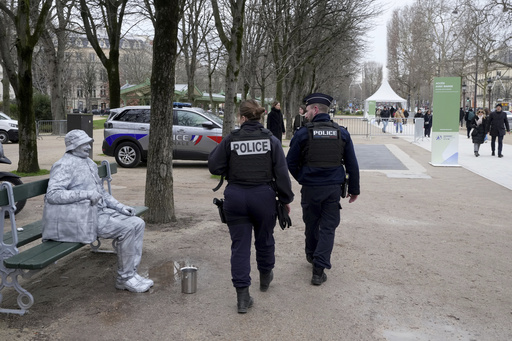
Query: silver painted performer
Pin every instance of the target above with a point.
(78, 209)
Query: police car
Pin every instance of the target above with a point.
(126, 134)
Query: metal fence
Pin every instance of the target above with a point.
(51, 128)
(372, 126)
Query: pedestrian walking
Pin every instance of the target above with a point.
(479, 130)
(253, 162)
(300, 118)
(318, 156)
(498, 123)
(275, 122)
(384, 115)
(427, 123)
(399, 118)
(470, 114)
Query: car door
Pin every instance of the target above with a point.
(194, 135)
(131, 124)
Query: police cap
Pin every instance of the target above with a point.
(318, 98)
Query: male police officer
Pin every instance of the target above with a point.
(316, 159)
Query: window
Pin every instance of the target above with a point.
(103, 91)
(190, 119)
(93, 92)
(92, 56)
(134, 115)
(79, 92)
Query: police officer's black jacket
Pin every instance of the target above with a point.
(321, 176)
(219, 161)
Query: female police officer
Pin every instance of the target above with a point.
(253, 162)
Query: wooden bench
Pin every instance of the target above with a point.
(14, 263)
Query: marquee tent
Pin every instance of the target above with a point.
(384, 95)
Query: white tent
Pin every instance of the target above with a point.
(384, 94)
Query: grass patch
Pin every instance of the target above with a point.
(41, 172)
(98, 124)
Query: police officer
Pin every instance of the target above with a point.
(318, 156)
(254, 164)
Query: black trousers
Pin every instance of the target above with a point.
(247, 208)
(321, 215)
(500, 143)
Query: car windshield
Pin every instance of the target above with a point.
(4, 116)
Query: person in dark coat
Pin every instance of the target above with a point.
(498, 122)
(300, 118)
(384, 115)
(469, 117)
(479, 126)
(275, 122)
(255, 167)
(427, 124)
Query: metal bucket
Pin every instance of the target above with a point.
(188, 280)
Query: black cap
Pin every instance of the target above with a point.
(498, 105)
(318, 98)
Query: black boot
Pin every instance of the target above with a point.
(265, 279)
(244, 299)
(319, 276)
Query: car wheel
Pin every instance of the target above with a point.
(4, 137)
(128, 155)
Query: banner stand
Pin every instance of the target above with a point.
(445, 122)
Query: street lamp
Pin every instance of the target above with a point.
(464, 95)
(489, 88)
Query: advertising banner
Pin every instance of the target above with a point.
(445, 121)
(371, 108)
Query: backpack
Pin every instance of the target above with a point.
(471, 115)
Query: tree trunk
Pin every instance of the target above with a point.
(6, 97)
(113, 80)
(159, 178)
(28, 162)
(233, 45)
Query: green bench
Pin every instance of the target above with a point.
(14, 263)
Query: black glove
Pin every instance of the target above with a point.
(282, 215)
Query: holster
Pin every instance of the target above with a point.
(220, 205)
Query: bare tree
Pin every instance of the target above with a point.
(233, 45)
(194, 19)
(136, 64)
(54, 41)
(108, 15)
(29, 20)
(372, 78)
(159, 178)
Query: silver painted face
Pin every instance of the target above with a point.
(82, 150)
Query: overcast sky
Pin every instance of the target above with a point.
(377, 38)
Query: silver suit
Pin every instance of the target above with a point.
(74, 181)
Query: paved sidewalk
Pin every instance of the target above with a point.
(498, 170)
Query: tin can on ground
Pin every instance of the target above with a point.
(188, 280)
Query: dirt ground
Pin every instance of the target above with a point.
(415, 258)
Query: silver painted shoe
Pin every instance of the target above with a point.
(144, 279)
(133, 285)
